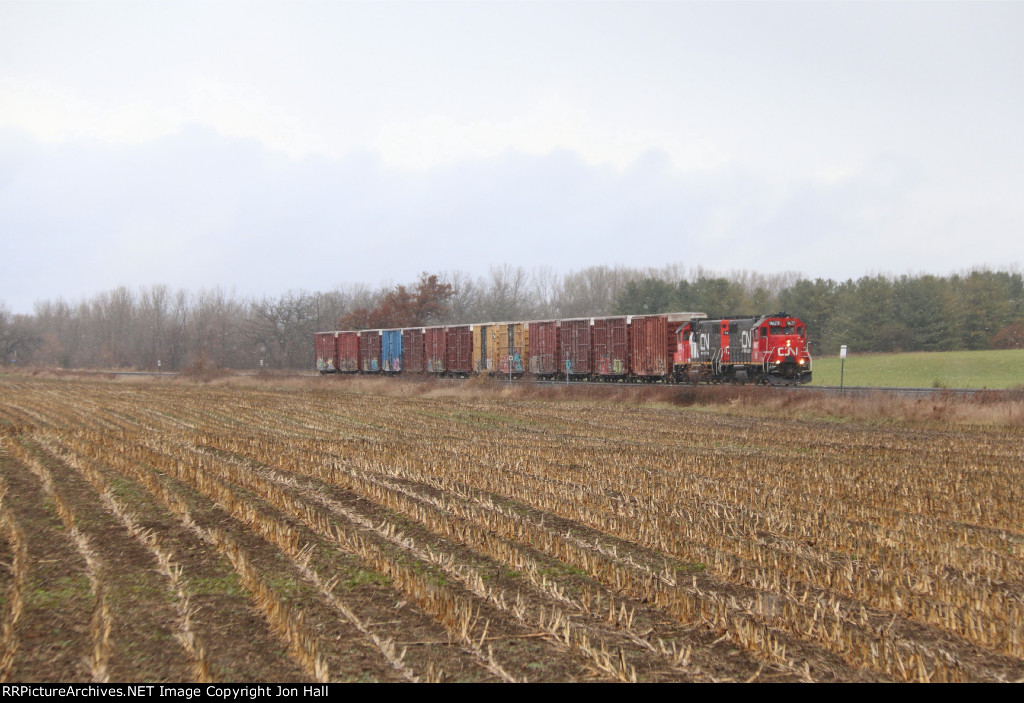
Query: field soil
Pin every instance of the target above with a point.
(173, 531)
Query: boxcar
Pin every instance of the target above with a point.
(326, 347)
(611, 347)
(391, 351)
(435, 349)
(576, 354)
(511, 349)
(542, 351)
(653, 340)
(499, 347)
(648, 346)
(482, 347)
(347, 345)
(459, 350)
(369, 351)
(412, 350)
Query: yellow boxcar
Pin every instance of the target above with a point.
(500, 347)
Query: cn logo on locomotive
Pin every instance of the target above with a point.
(745, 340)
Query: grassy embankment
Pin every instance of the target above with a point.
(956, 369)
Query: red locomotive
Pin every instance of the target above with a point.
(768, 349)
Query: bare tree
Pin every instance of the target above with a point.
(60, 329)
(466, 301)
(113, 314)
(18, 337)
(281, 330)
(154, 317)
(546, 283)
(593, 290)
(508, 296)
(217, 321)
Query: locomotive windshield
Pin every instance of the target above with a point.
(780, 327)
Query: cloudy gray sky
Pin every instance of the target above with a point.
(268, 146)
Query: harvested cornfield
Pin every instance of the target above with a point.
(168, 532)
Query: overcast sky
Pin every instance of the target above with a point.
(267, 146)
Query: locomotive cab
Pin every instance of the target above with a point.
(780, 348)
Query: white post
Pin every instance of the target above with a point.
(842, 365)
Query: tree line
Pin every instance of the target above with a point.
(980, 309)
(158, 328)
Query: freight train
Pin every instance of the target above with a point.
(682, 347)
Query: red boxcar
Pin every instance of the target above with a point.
(611, 346)
(412, 350)
(459, 350)
(326, 352)
(435, 349)
(576, 347)
(651, 346)
(369, 351)
(544, 358)
(347, 345)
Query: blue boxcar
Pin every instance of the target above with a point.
(391, 350)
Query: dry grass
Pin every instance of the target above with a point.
(944, 408)
(984, 408)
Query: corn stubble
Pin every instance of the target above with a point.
(553, 540)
